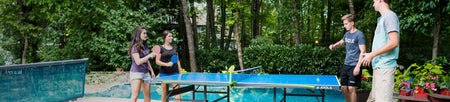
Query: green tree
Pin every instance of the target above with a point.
(22, 22)
(192, 61)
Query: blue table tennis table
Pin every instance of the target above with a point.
(310, 82)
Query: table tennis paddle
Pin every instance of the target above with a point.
(156, 49)
(174, 59)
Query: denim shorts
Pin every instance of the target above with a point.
(139, 75)
(162, 74)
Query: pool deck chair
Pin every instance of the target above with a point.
(310, 82)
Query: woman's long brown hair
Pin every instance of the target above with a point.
(136, 41)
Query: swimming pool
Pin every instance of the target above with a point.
(236, 94)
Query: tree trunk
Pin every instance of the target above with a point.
(297, 32)
(209, 7)
(182, 34)
(260, 20)
(194, 24)
(212, 25)
(189, 36)
(222, 28)
(238, 43)
(252, 18)
(244, 41)
(25, 47)
(255, 18)
(279, 23)
(230, 33)
(258, 13)
(301, 22)
(352, 10)
(308, 19)
(62, 41)
(323, 24)
(436, 34)
(329, 14)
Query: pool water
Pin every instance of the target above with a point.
(236, 94)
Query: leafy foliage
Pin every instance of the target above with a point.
(2, 58)
(426, 76)
(422, 74)
(100, 30)
(261, 40)
(215, 60)
(366, 80)
(298, 59)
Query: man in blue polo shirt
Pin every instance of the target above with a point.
(384, 55)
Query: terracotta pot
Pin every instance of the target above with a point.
(445, 92)
(119, 69)
(421, 95)
(404, 92)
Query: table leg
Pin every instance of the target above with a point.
(204, 93)
(167, 93)
(228, 93)
(193, 93)
(323, 94)
(274, 94)
(284, 95)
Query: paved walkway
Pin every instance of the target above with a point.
(107, 99)
(95, 86)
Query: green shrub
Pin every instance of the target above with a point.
(2, 59)
(215, 60)
(298, 59)
(408, 56)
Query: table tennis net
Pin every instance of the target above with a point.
(254, 70)
(245, 73)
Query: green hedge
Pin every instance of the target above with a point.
(297, 59)
(215, 60)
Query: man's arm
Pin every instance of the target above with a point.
(392, 44)
(337, 44)
(362, 49)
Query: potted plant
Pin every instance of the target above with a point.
(445, 94)
(444, 81)
(445, 85)
(426, 78)
(405, 89)
(403, 81)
